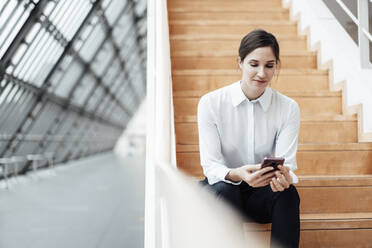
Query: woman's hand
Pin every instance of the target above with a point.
(282, 179)
(252, 175)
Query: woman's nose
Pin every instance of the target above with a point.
(261, 72)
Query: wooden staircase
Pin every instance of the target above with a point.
(335, 170)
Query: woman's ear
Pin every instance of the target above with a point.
(277, 68)
(240, 62)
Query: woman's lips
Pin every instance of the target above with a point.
(260, 81)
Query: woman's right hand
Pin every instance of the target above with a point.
(252, 175)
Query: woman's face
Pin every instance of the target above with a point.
(258, 68)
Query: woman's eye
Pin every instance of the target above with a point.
(253, 65)
(269, 66)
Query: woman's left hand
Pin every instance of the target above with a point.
(282, 179)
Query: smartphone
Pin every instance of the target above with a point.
(273, 162)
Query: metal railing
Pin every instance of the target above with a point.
(364, 36)
(9, 167)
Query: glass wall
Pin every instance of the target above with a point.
(72, 74)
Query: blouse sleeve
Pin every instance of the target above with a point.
(211, 157)
(287, 140)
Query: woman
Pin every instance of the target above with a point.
(241, 124)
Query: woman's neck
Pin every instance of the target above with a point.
(251, 94)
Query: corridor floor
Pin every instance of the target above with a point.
(92, 203)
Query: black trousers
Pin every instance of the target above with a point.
(262, 205)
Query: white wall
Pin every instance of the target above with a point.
(336, 46)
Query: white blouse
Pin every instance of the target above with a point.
(234, 131)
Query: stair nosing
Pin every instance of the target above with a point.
(227, 37)
(229, 23)
(233, 53)
(198, 72)
(337, 216)
(311, 147)
(188, 9)
(229, 11)
(320, 118)
(319, 93)
(338, 220)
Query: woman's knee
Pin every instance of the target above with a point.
(291, 195)
(222, 188)
(226, 191)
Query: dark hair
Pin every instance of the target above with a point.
(258, 38)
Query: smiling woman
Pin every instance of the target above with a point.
(241, 124)
(257, 71)
(258, 59)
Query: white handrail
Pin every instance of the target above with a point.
(159, 131)
(175, 209)
(363, 34)
(348, 12)
(192, 217)
(367, 34)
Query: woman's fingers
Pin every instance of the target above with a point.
(254, 179)
(262, 183)
(266, 182)
(260, 172)
(273, 188)
(282, 180)
(278, 180)
(277, 185)
(262, 179)
(252, 167)
(285, 171)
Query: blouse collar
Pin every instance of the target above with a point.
(237, 96)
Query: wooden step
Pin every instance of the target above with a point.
(334, 162)
(216, 23)
(230, 72)
(233, 37)
(327, 131)
(229, 46)
(335, 194)
(317, 118)
(311, 131)
(321, 129)
(334, 181)
(232, 52)
(323, 221)
(269, 14)
(219, 6)
(335, 147)
(208, 80)
(342, 230)
(341, 147)
(231, 28)
(182, 59)
(312, 159)
(189, 163)
(321, 104)
(336, 230)
(294, 93)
